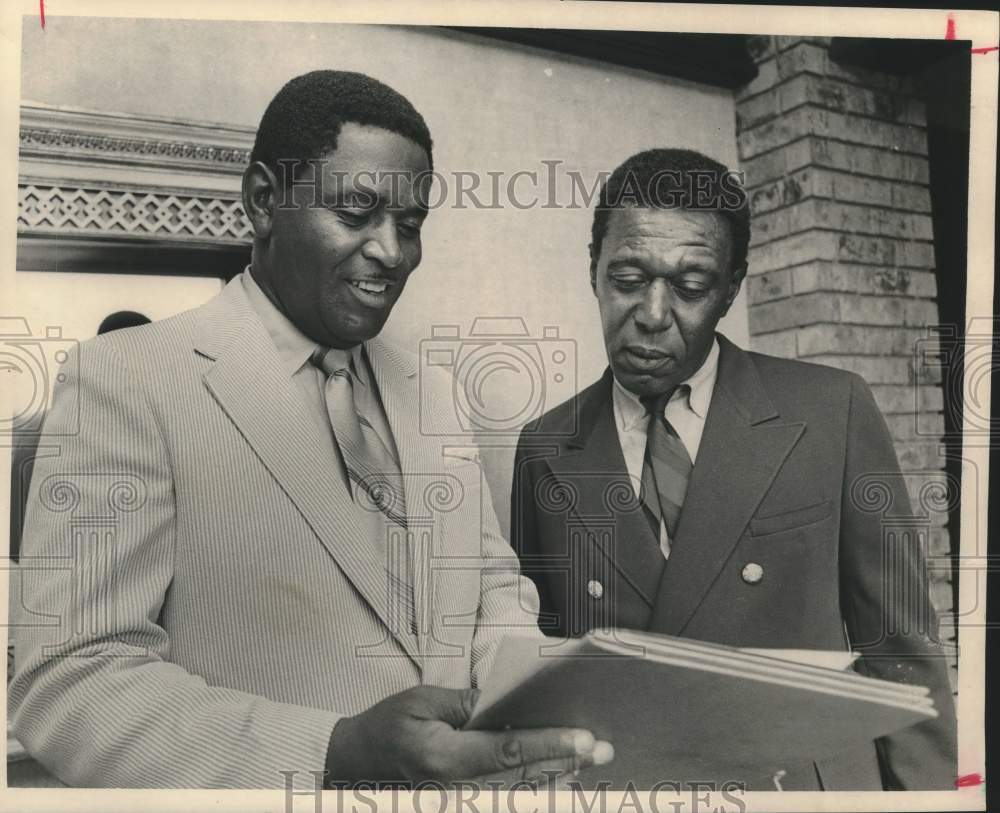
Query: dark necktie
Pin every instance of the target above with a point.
(666, 468)
(374, 477)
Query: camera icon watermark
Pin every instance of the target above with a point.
(32, 365)
(503, 379)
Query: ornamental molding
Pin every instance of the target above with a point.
(47, 141)
(69, 134)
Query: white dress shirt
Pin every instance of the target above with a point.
(686, 411)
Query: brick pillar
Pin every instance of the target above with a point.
(841, 257)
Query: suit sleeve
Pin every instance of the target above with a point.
(94, 697)
(508, 600)
(524, 524)
(885, 600)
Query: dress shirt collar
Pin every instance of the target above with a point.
(702, 383)
(294, 348)
(631, 410)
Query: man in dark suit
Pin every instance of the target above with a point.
(700, 490)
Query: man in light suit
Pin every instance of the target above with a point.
(700, 490)
(248, 566)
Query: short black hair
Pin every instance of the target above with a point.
(121, 319)
(304, 118)
(676, 178)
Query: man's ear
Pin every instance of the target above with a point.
(593, 269)
(734, 287)
(260, 198)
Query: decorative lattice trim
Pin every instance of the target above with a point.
(121, 212)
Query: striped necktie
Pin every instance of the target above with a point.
(666, 468)
(374, 477)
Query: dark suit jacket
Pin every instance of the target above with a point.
(796, 473)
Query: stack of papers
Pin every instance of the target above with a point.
(679, 710)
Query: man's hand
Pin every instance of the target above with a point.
(413, 736)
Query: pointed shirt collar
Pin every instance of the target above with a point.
(295, 349)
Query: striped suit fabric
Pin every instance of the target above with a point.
(200, 603)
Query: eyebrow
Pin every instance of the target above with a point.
(622, 263)
(695, 264)
(343, 198)
(414, 210)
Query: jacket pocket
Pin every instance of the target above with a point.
(797, 518)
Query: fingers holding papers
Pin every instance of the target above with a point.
(415, 736)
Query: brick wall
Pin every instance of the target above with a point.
(842, 258)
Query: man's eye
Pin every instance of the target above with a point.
(628, 282)
(690, 292)
(354, 217)
(409, 230)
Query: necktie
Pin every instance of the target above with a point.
(374, 478)
(666, 469)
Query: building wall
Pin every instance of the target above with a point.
(94, 296)
(842, 253)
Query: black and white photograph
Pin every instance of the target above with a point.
(552, 405)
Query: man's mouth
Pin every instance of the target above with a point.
(640, 357)
(373, 293)
(371, 286)
(647, 352)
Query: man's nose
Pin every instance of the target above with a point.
(383, 244)
(655, 312)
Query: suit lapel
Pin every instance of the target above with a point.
(743, 446)
(250, 385)
(593, 467)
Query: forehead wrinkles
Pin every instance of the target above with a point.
(669, 224)
(676, 233)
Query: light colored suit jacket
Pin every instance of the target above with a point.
(200, 604)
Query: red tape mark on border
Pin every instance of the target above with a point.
(969, 780)
(950, 34)
(41, 12)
